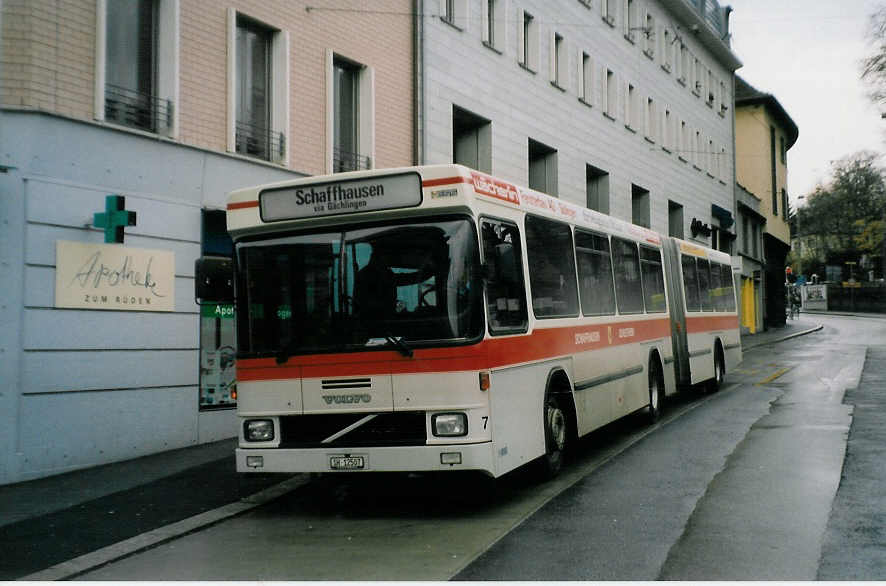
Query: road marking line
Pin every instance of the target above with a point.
(111, 553)
(769, 379)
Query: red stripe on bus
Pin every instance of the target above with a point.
(491, 353)
(444, 181)
(237, 205)
(696, 325)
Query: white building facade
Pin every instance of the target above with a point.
(621, 105)
(170, 104)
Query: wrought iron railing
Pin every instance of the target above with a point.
(347, 161)
(260, 142)
(137, 109)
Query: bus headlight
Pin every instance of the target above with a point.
(258, 430)
(449, 424)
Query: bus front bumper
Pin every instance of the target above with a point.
(380, 459)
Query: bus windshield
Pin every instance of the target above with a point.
(360, 288)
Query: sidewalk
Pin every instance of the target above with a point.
(99, 514)
(52, 520)
(805, 324)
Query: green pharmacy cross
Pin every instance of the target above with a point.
(114, 218)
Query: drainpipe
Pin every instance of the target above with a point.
(418, 83)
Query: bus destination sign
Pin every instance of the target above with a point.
(313, 200)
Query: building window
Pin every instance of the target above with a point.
(134, 86)
(254, 136)
(712, 160)
(558, 61)
(640, 206)
(649, 36)
(471, 140)
(755, 239)
(597, 189)
(493, 24)
(784, 204)
(542, 167)
(667, 131)
(454, 12)
(258, 96)
(610, 94)
(685, 65)
(710, 88)
(631, 115)
(723, 98)
(675, 219)
(586, 79)
(629, 18)
(607, 11)
(350, 114)
(784, 152)
(685, 148)
(667, 50)
(346, 117)
(527, 42)
(723, 166)
(651, 133)
(697, 78)
(697, 155)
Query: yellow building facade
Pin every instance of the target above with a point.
(764, 132)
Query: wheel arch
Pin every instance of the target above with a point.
(559, 384)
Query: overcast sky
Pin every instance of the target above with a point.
(807, 53)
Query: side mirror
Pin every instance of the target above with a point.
(214, 279)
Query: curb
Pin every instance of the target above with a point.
(782, 339)
(106, 555)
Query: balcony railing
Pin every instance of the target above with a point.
(137, 109)
(260, 142)
(347, 161)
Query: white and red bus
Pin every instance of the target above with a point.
(437, 318)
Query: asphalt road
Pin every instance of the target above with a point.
(743, 484)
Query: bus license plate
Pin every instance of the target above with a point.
(346, 462)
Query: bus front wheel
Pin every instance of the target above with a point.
(556, 437)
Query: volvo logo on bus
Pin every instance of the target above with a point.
(347, 399)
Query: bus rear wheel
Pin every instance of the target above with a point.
(556, 429)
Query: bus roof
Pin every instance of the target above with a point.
(327, 198)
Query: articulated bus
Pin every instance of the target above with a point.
(437, 318)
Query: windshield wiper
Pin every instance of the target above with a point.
(402, 346)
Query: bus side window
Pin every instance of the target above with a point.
(728, 287)
(653, 280)
(551, 256)
(690, 283)
(717, 288)
(704, 284)
(505, 292)
(627, 276)
(594, 274)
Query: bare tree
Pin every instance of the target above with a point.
(873, 67)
